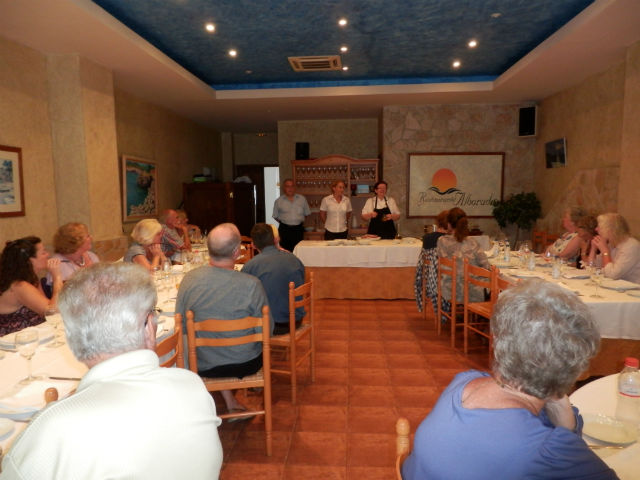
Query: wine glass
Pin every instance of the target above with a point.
(26, 344)
(548, 256)
(596, 278)
(52, 317)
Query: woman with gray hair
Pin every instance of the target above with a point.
(516, 422)
(619, 251)
(146, 249)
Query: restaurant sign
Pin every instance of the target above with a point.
(441, 181)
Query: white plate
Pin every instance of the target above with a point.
(523, 274)
(608, 430)
(619, 285)
(634, 293)
(18, 413)
(334, 243)
(6, 428)
(575, 273)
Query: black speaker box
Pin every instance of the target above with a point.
(302, 150)
(527, 122)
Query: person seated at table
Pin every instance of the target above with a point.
(146, 250)
(516, 422)
(618, 250)
(381, 212)
(218, 291)
(22, 300)
(586, 230)
(430, 254)
(193, 231)
(175, 236)
(72, 246)
(335, 211)
(568, 245)
(275, 268)
(127, 411)
(460, 245)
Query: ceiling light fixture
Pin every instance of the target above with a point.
(345, 68)
(473, 43)
(210, 27)
(456, 64)
(342, 22)
(496, 15)
(233, 53)
(344, 49)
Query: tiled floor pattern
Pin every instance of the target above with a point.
(376, 360)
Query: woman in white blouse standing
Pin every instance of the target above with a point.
(619, 251)
(335, 211)
(381, 212)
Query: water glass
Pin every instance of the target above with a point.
(596, 278)
(52, 317)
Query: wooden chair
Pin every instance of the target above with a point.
(538, 240)
(246, 246)
(425, 297)
(303, 296)
(403, 444)
(173, 343)
(485, 279)
(448, 266)
(260, 379)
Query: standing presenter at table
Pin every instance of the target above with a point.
(382, 212)
(335, 211)
(290, 210)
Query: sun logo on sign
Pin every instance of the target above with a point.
(444, 181)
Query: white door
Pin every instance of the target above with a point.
(271, 192)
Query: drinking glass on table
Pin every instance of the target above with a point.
(596, 278)
(52, 317)
(26, 343)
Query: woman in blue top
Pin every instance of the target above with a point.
(516, 423)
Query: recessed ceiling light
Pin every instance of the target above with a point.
(233, 53)
(473, 43)
(496, 15)
(248, 72)
(344, 49)
(345, 68)
(342, 22)
(456, 64)
(210, 27)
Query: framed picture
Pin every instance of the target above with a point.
(11, 184)
(555, 153)
(441, 181)
(139, 189)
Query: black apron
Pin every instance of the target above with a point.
(377, 226)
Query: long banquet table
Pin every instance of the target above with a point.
(383, 269)
(617, 314)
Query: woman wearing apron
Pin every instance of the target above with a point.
(382, 212)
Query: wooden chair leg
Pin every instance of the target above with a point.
(294, 378)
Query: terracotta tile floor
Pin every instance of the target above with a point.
(376, 361)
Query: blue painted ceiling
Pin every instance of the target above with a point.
(390, 42)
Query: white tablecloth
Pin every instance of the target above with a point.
(599, 397)
(380, 253)
(617, 313)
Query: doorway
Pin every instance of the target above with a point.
(267, 182)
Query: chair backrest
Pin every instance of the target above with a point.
(447, 266)
(303, 296)
(500, 285)
(257, 325)
(246, 244)
(538, 240)
(480, 277)
(402, 444)
(173, 343)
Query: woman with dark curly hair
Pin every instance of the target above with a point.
(22, 301)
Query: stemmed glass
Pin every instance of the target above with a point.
(26, 344)
(52, 317)
(596, 278)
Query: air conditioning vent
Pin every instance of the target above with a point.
(316, 64)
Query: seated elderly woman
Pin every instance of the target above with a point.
(72, 246)
(22, 300)
(568, 245)
(516, 422)
(618, 250)
(459, 244)
(146, 250)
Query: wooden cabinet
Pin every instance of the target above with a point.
(210, 203)
(313, 179)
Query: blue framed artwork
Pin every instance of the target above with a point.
(139, 188)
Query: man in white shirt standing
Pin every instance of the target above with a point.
(290, 210)
(129, 418)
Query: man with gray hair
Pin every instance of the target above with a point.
(127, 412)
(173, 241)
(218, 291)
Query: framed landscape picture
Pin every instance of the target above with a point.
(441, 181)
(11, 184)
(139, 188)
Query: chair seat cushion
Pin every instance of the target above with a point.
(282, 340)
(256, 377)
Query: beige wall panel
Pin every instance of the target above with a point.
(24, 123)
(255, 149)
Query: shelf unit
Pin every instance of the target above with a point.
(313, 179)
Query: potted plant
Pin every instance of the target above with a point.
(521, 210)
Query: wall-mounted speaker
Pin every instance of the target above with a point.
(527, 121)
(302, 150)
